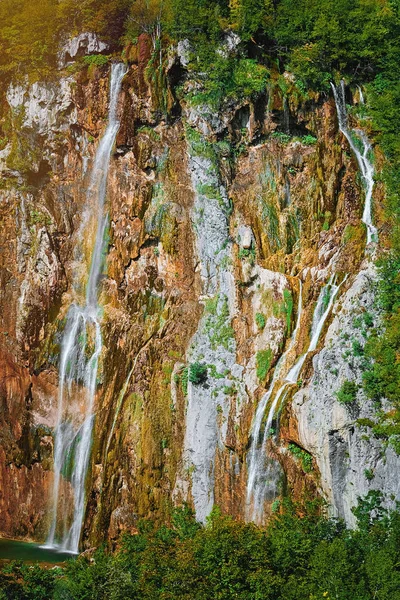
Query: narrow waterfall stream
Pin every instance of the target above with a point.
(261, 474)
(81, 348)
(261, 482)
(364, 163)
(256, 484)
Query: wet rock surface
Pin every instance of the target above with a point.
(204, 254)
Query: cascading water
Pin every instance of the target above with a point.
(81, 348)
(365, 165)
(321, 312)
(256, 482)
(261, 481)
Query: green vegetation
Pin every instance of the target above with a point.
(314, 39)
(285, 308)
(249, 254)
(184, 380)
(347, 394)
(305, 557)
(197, 373)
(263, 363)
(218, 322)
(304, 457)
(369, 474)
(260, 321)
(97, 60)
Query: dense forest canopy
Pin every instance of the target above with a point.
(300, 555)
(311, 37)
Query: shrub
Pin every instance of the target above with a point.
(347, 393)
(197, 373)
(97, 60)
(309, 140)
(304, 457)
(369, 474)
(260, 321)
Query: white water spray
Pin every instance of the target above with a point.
(364, 163)
(81, 348)
(321, 312)
(256, 482)
(262, 476)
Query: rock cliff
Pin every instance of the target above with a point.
(217, 223)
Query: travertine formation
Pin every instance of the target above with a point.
(214, 221)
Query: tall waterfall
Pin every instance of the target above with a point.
(261, 482)
(257, 481)
(81, 348)
(364, 163)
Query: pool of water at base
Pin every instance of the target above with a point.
(32, 553)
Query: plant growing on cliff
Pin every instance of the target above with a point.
(96, 60)
(197, 373)
(304, 457)
(260, 321)
(263, 363)
(218, 323)
(248, 253)
(347, 394)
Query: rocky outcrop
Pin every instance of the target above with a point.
(351, 461)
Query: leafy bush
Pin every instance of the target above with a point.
(300, 554)
(309, 140)
(260, 320)
(197, 373)
(304, 457)
(347, 393)
(97, 60)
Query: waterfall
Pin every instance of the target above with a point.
(365, 165)
(321, 312)
(81, 348)
(261, 480)
(256, 483)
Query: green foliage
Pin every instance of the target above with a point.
(309, 140)
(369, 474)
(263, 363)
(21, 581)
(299, 555)
(218, 322)
(358, 349)
(250, 16)
(30, 31)
(230, 78)
(184, 380)
(347, 394)
(283, 138)
(248, 253)
(97, 60)
(197, 373)
(260, 320)
(304, 457)
(288, 308)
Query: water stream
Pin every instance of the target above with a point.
(256, 484)
(81, 348)
(364, 163)
(262, 471)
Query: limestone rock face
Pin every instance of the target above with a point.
(351, 462)
(84, 43)
(216, 225)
